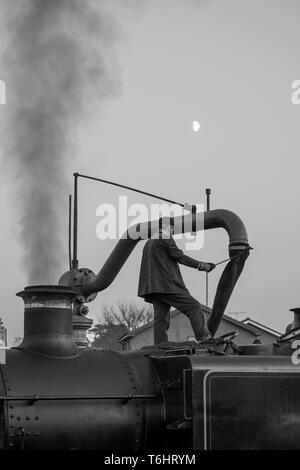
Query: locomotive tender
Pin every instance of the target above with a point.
(55, 395)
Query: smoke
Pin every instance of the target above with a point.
(59, 65)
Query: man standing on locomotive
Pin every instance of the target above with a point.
(161, 283)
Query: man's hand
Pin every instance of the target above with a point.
(211, 266)
(207, 267)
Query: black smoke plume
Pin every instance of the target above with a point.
(58, 67)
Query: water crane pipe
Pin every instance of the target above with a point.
(219, 218)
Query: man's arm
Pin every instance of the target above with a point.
(177, 255)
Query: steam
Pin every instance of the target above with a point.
(58, 67)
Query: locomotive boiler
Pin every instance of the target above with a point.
(55, 395)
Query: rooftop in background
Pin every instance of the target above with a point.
(180, 330)
(248, 321)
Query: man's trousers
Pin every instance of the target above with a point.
(185, 303)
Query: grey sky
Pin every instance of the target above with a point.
(229, 65)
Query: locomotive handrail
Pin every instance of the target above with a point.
(35, 398)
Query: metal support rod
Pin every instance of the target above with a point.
(75, 222)
(70, 231)
(129, 188)
(233, 257)
(74, 264)
(208, 192)
(206, 286)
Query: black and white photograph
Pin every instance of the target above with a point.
(149, 242)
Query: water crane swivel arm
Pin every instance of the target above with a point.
(90, 284)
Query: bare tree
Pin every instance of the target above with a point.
(115, 320)
(126, 313)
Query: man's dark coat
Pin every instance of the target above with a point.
(160, 272)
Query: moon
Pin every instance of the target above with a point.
(196, 126)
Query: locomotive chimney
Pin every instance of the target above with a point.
(48, 321)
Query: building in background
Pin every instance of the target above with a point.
(107, 336)
(249, 331)
(3, 334)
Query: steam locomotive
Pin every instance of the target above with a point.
(55, 395)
